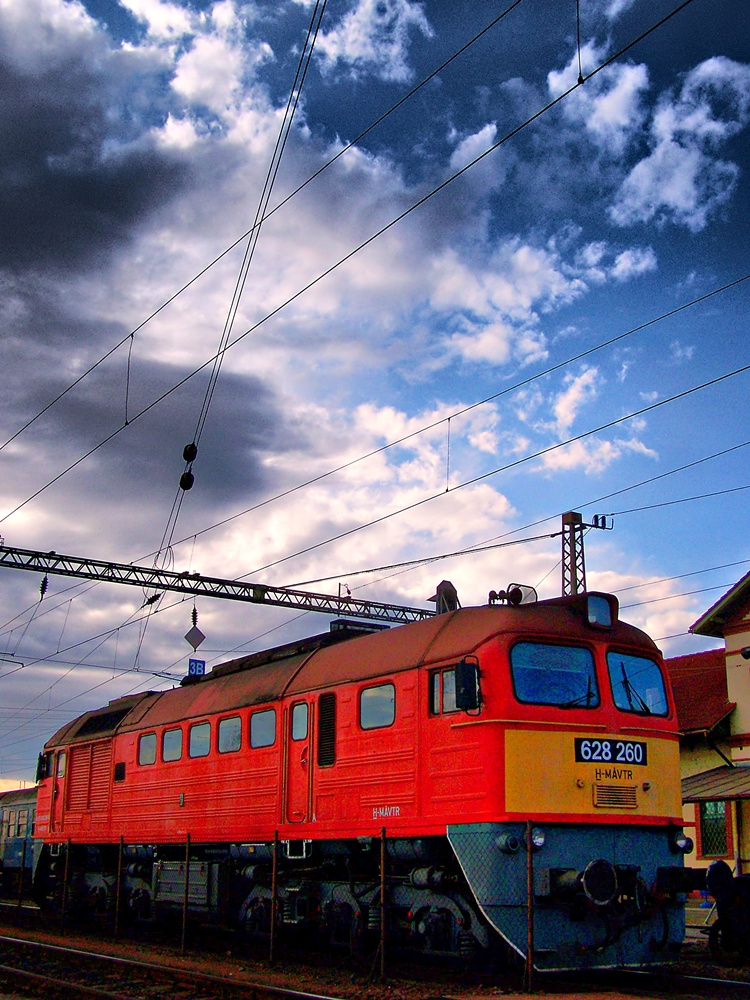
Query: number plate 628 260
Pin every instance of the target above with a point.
(611, 751)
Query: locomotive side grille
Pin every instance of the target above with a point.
(101, 764)
(78, 778)
(88, 783)
(615, 796)
(327, 730)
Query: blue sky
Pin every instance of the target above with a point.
(545, 282)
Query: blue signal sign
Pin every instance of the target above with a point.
(196, 668)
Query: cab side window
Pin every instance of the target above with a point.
(263, 728)
(171, 744)
(377, 706)
(147, 749)
(230, 734)
(199, 741)
(443, 691)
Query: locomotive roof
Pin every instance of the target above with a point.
(311, 665)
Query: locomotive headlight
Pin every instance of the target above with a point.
(538, 837)
(680, 843)
(508, 843)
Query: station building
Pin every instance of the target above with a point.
(712, 692)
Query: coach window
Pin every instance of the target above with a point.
(547, 674)
(443, 691)
(263, 728)
(230, 734)
(299, 721)
(23, 822)
(171, 744)
(199, 740)
(11, 828)
(377, 706)
(637, 684)
(147, 749)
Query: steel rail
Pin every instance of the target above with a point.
(253, 987)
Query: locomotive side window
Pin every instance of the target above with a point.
(377, 707)
(546, 674)
(199, 741)
(327, 730)
(299, 721)
(443, 692)
(637, 684)
(171, 744)
(230, 735)
(147, 749)
(263, 728)
(61, 764)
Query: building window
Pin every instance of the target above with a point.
(377, 707)
(147, 749)
(713, 830)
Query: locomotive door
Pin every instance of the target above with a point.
(57, 808)
(299, 762)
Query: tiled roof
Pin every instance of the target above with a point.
(720, 784)
(699, 681)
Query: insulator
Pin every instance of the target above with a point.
(190, 452)
(186, 481)
(43, 587)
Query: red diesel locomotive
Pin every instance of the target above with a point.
(449, 733)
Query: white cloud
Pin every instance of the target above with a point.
(633, 262)
(43, 34)
(682, 180)
(609, 105)
(472, 146)
(579, 391)
(164, 20)
(374, 38)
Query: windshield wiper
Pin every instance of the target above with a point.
(587, 698)
(630, 691)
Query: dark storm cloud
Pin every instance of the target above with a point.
(143, 462)
(77, 173)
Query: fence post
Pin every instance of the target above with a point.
(23, 870)
(118, 889)
(382, 903)
(274, 873)
(185, 896)
(66, 874)
(528, 979)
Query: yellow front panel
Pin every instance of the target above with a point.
(543, 777)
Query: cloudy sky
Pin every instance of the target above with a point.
(489, 293)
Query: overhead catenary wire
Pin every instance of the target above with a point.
(503, 468)
(376, 235)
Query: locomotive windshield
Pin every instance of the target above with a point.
(637, 684)
(546, 674)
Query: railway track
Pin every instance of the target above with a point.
(54, 971)
(42, 969)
